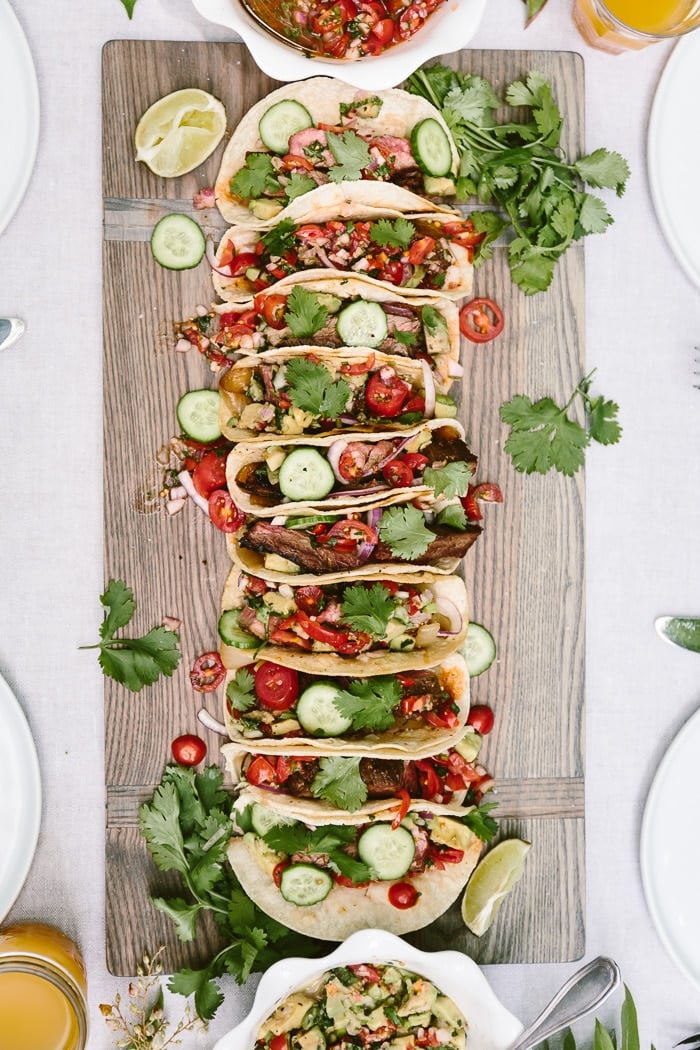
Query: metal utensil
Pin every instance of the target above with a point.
(257, 10)
(585, 991)
(11, 328)
(680, 630)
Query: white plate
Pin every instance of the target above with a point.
(20, 798)
(491, 1026)
(19, 113)
(670, 850)
(448, 29)
(673, 154)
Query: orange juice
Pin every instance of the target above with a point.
(618, 25)
(42, 990)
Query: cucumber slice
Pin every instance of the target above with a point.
(479, 650)
(431, 147)
(305, 884)
(362, 324)
(231, 634)
(198, 415)
(281, 121)
(177, 242)
(311, 519)
(317, 713)
(264, 819)
(388, 851)
(306, 475)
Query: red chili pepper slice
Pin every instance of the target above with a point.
(208, 672)
(359, 368)
(481, 320)
(403, 808)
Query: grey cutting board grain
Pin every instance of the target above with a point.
(525, 575)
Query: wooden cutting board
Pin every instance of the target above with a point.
(525, 574)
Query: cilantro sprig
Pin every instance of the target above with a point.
(328, 839)
(370, 702)
(450, 480)
(479, 821)
(311, 388)
(338, 781)
(543, 436)
(240, 690)
(368, 609)
(351, 154)
(187, 828)
(134, 662)
(304, 313)
(405, 532)
(255, 178)
(520, 167)
(396, 234)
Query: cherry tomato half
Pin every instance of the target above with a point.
(242, 262)
(276, 687)
(273, 309)
(481, 320)
(486, 492)
(310, 599)
(398, 474)
(356, 531)
(207, 673)
(403, 895)
(224, 513)
(420, 248)
(188, 749)
(481, 718)
(415, 461)
(386, 393)
(209, 474)
(261, 771)
(279, 1042)
(384, 31)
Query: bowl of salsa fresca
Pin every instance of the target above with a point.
(375, 990)
(372, 44)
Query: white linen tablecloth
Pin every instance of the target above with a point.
(643, 502)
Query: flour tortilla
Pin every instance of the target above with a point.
(347, 909)
(374, 661)
(399, 742)
(322, 96)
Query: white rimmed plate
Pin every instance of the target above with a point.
(19, 113)
(20, 798)
(448, 29)
(673, 154)
(670, 850)
(491, 1026)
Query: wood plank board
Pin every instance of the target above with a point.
(525, 575)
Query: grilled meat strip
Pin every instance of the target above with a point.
(383, 777)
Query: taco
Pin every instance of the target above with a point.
(307, 391)
(337, 873)
(272, 709)
(430, 252)
(328, 312)
(353, 628)
(429, 462)
(322, 133)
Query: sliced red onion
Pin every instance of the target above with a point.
(204, 199)
(185, 479)
(398, 309)
(333, 455)
(393, 454)
(211, 723)
(323, 257)
(210, 252)
(370, 490)
(348, 420)
(429, 387)
(171, 623)
(373, 516)
(364, 551)
(455, 369)
(449, 610)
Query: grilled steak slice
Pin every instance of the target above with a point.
(298, 547)
(383, 777)
(448, 543)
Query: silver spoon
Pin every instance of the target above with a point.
(11, 328)
(582, 993)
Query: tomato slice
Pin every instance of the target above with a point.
(463, 232)
(403, 895)
(398, 474)
(416, 461)
(352, 642)
(481, 320)
(261, 771)
(279, 1042)
(242, 262)
(224, 513)
(487, 492)
(394, 272)
(386, 393)
(420, 249)
(207, 673)
(276, 687)
(188, 749)
(356, 531)
(430, 783)
(310, 599)
(273, 310)
(210, 474)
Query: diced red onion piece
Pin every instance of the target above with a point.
(174, 506)
(369, 491)
(204, 199)
(373, 516)
(349, 420)
(365, 550)
(210, 253)
(171, 623)
(185, 479)
(178, 492)
(429, 386)
(455, 369)
(212, 723)
(449, 610)
(323, 257)
(183, 345)
(333, 455)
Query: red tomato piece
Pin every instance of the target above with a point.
(207, 673)
(366, 973)
(224, 513)
(384, 31)
(276, 687)
(420, 248)
(209, 474)
(242, 262)
(412, 19)
(403, 895)
(309, 599)
(386, 393)
(415, 404)
(481, 718)
(430, 783)
(394, 272)
(398, 474)
(403, 808)
(355, 531)
(415, 461)
(463, 232)
(273, 310)
(261, 771)
(188, 749)
(481, 320)
(277, 877)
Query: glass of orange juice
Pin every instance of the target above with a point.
(622, 25)
(42, 990)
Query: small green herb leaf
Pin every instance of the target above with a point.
(370, 702)
(351, 154)
(304, 313)
(239, 691)
(338, 781)
(448, 481)
(405, 531)
(397, 233)
(312, 389)
(368, 608)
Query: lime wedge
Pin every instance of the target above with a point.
(493, 878)
(681, 630)
(179, 131)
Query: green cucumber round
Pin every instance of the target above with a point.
(388, 851)
(305, 475)
(317, 713)
(198, 415)
(305, 884)
(231, 634)
(479, 650)
(362, 324)
(431, 147)
(264, 819)
(177, 242)
(281, 121)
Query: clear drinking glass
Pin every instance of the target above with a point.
(622, 25)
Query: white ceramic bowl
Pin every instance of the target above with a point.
(491, 1026)
(448, 29)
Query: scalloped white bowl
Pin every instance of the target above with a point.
(448, 29)
(491, 1026)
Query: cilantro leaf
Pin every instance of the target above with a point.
(160, 827)
(298, 185)
(370, 702)
(453, 516)
(304, 313)
(604, 169)
(240, 690)
(490, 223)
(397, 233)
(280, 238)
(329, 839)
(479, 821)
(129, 6)
(368, 608)
(183, 915)
(351, 154)
(405, 531)
(255, 178)
(338, 781)
(603, 424)
(311, 388)
(593, 216)
(433, 320)
(200, 983)
(448, 481)
(119, 602)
